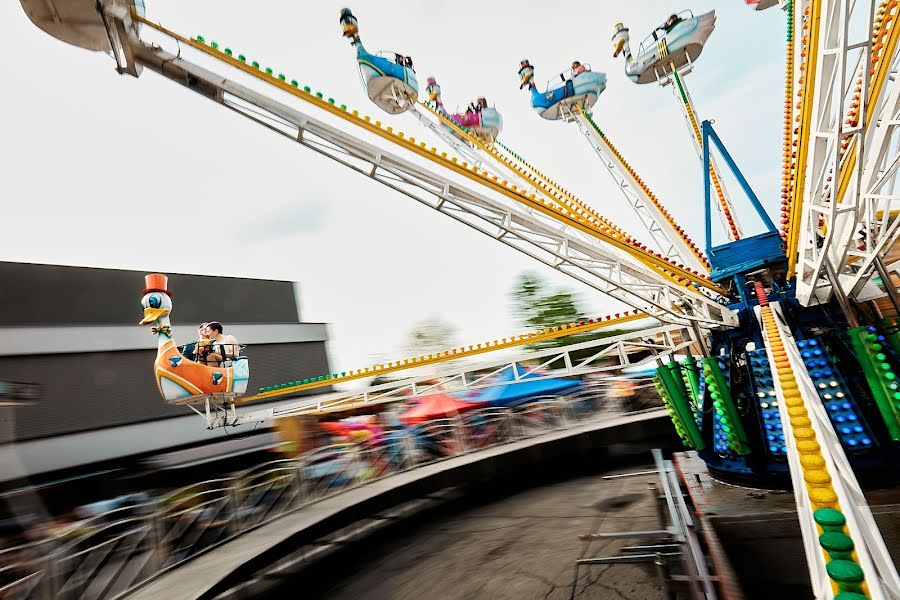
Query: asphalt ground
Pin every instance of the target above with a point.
(521, 546)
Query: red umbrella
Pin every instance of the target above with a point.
(335, 427)
(437, 407)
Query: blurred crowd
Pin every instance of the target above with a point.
(319, 454)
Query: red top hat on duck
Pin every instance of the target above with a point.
(181, 380)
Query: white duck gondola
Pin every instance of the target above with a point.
(388, 76)
(578, 87)
(674, 45)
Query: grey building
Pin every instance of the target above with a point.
(72, 333)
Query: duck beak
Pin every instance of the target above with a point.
(152, 314)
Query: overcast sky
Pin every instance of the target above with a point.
(110, 171)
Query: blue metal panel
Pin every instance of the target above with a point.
(744, 255)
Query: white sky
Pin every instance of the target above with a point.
(111, 171)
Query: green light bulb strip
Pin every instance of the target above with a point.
(679, 404)
(667, 403)
(842, 567)
(725, 408)
(269, 71)
(291, 384)
(869, 348)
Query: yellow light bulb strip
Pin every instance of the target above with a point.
(788, 159)
(816, 476)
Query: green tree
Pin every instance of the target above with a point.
(537, 306)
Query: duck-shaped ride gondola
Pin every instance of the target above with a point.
(181, 380)
(389, 77)
(672, 46)
(561, 99)
(480, 119)
(665, 56)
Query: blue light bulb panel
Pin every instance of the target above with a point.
(767, 403)
(847, 419)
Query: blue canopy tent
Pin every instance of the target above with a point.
(513, 394)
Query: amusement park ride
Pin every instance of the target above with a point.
(795, 378)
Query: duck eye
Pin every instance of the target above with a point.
(154, 301)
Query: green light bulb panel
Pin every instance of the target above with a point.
(869, 348)
(672, 390)
(724, 407)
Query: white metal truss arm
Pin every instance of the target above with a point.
(876, 226)
(828, 222)
(607, 269)
(607, 354)
(871, 551)
(665, 239)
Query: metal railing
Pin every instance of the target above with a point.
(108, 554)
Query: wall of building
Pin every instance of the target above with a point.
(65, 296)
(73, 331)
(80, 392)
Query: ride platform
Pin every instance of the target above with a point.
(754, 535)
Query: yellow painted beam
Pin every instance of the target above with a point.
(803, 135)
(814, 468)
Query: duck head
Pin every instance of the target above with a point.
(349, 25)
(433, 90)
(620, 41)
(526, 74)
(156, 305)
(157, 301)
